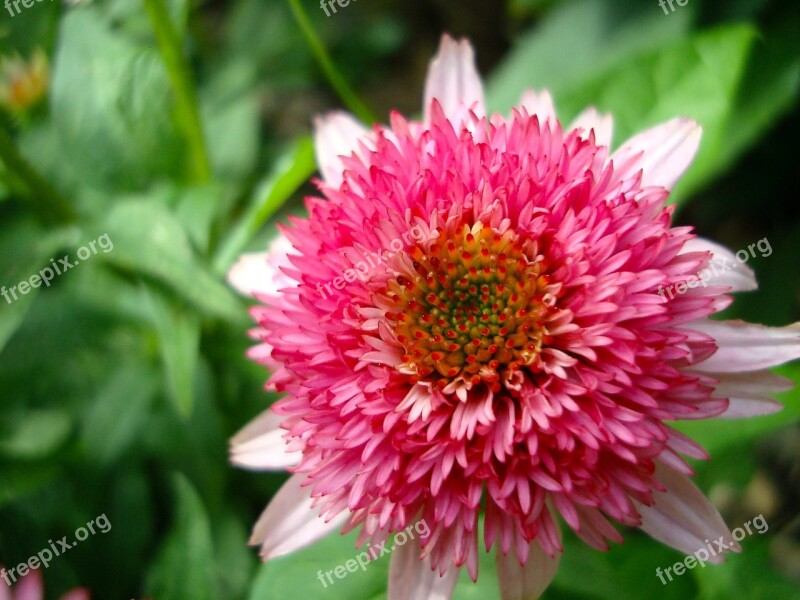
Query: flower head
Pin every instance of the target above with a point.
(472, 319)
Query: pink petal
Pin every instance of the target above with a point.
(260, 445)
(601, 123)
(528, 581)
(453, 80)
(539, 104)
(682, 517)
(77, 594)
(30, 587)
(662, 152)
(412, 578)
(290, 523)
(747, 346)
(748, 393)
(724, 268)
(336, 134)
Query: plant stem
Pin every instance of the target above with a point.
(47, 201)
(286, 176)
(337, 81)
(180, 77)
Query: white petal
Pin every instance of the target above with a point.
(724, 268)
(260, 445)
(336, 134)
(539, 104)
(260, 272)
(663, 153)
(682, 517)
(748, 393)
(528, 581)
(453, 80)
(290, 523)
(601, 123)
(411, 578)
(747, 346)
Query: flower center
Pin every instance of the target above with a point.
(474, 309)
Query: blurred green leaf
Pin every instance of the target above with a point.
(288, 174)
(296, 575)
(178, 332)
(118, 413)
(749, 574)
(184, 567)
(599, 35)
(112, 108)
(149, 240)
(36, 434)
(25, 248)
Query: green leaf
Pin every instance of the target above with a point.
(297, 575)
(178, 332)
(118, 413)
(112, 108)
(149, 240)
(598, 35)
(37, 434)
(230, 111)
(288, 174)
(184, 567)
(26, 249)
(749, 574)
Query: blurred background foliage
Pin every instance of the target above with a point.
(181, 128)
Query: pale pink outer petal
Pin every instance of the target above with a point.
(260, 272)
(336, 134)
(528, 581)
(663, 153)
(539, 104)
(724, 268)
(747, 346)
(601, 123)
(77, 594)
(412, 578)
(290, 522)
(453, 80)
(749, 393)
(682, 517)
(260, 445)
(29, 587)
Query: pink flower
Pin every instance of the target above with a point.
(31, 587)
(511, 355)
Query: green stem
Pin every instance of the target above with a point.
(180, 77)
(287, 175)
(46, 200)
(348, 96)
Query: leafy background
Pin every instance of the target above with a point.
(121, 383)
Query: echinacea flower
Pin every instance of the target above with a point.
(31, 587)
(507, 352)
